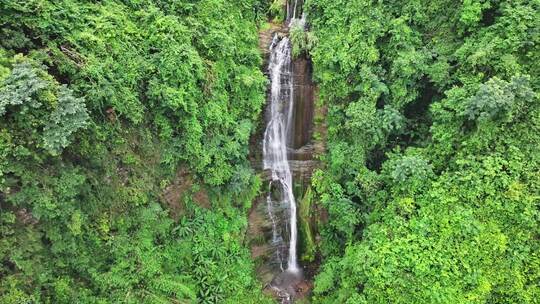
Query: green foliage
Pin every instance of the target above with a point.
(277, 10)
(409, 168)
(308, 247)
(101, 104)
(38, 112)
(206, 63)
(303, 41)
(433, 116)
(21, 87)
(498, 100)
(69, 116)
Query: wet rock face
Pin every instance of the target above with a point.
(303, 110)
(301, 149)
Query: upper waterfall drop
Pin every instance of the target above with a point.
(294, 9)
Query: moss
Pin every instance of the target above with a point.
(307, 243)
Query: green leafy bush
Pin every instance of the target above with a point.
(498, 99)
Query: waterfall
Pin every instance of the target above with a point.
(293, 9)
(276, 137)
(286, 150)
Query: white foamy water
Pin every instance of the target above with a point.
(276, 137)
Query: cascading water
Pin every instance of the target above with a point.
(293, 10)
(277, 145)
(276, 137)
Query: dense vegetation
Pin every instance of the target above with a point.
(432, 177)
(123, 138)
(124, 129)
